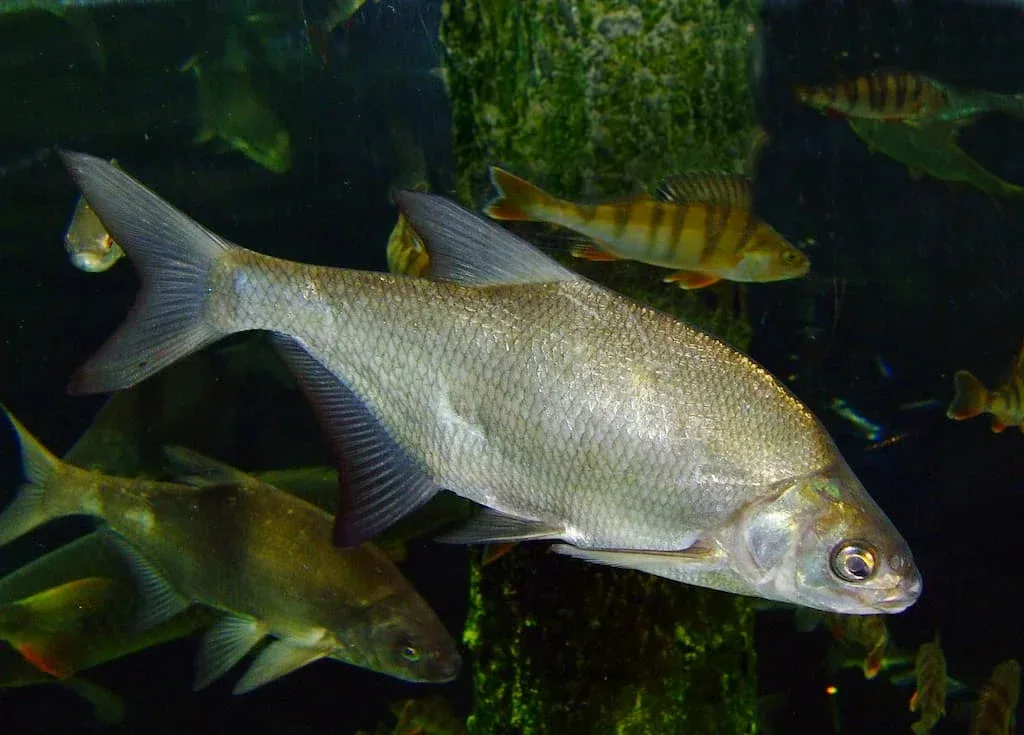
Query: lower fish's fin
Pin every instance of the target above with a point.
(157, 600)
(970, 397)
(203, 136)
(198, 470)
(44, 628)
(652, 562)
(107, 707)
(279, 658)
(490, 526)
(913, 702)
(593, 253)
(380, 482)
(691, 279)
(873, 661)
(41, 498)
(173, 256)
(224, 645)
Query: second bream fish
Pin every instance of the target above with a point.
(700, 226)
(569, 411)
(260, 556)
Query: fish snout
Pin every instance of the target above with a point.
(906, 594)
(443, 666)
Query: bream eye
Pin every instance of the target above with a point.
(853, 562)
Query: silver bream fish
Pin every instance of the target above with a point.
(571, 412)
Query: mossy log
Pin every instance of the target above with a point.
(599, 99)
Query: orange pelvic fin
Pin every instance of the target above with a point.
(493, 552)
(691, 279)
(591, 252)
(873, 661)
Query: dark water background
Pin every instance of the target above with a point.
(925, 278)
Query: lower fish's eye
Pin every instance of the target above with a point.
(853, 561)
(411, 653)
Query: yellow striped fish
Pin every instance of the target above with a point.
(998, 701)
(879, 95)
(700, 226)
(930, 696)
(1005, 403)
(406, 252)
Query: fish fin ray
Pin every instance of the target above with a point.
(690, 280)
(717, 188)
(276, 660)
(376, 474)
(593, 253)
(225, 644)
(652, 562)
(158, 601)
(470, 250)
(173, 256)
(198, 470)
(491, 526)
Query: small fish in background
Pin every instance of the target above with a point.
(406, 252)
(862, 631)
(865, 427)
(427, 716)
(89, 245)
(498, 320)
(44, 626)
(260, 556)
(905, 96)
(340, 14)
(232, 111)
(699, 225)
(998, 702)
(1006, 403)
(932, 150)
(867, 632)
(929, 697)
(107, 633)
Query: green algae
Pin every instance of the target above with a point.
(591, 100)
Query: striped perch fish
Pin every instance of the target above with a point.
(700, 226)
(929, 698)
(880, 95)
(904, 96)
(1005, 403)
(998, 701)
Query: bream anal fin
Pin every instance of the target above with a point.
(491, 526)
